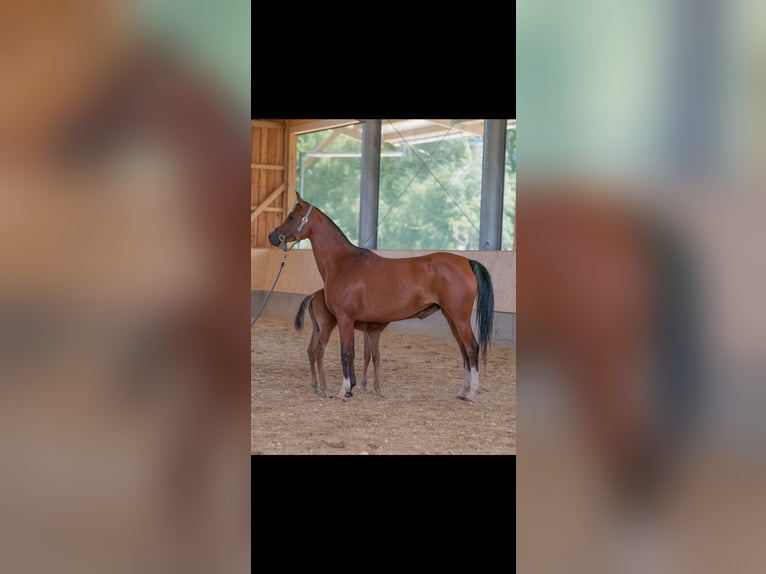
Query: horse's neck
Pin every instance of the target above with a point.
(329, 246)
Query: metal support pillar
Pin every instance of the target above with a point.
(492, 182)
(370, 184)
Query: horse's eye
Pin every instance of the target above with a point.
(290, 217)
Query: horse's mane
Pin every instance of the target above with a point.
(338, 229)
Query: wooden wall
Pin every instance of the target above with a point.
(269, 168)
(272, 162)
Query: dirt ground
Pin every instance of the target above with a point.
(420, 377)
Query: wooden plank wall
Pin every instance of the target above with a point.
(272, 163)
(269, 168)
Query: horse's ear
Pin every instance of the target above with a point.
(298, 198)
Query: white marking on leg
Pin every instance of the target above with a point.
(474, 385)
(345, 387)
(466, 383)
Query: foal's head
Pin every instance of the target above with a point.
(295, 227)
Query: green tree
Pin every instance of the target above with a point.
(430, 195)
(509, 193)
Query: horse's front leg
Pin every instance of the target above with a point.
(346, 329)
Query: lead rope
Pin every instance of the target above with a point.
(281, 266)
(283, 244)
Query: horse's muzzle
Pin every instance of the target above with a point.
(274, 238)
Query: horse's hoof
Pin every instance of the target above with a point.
(381, 395)
(340, 397)
(349, 394)
(461, 397)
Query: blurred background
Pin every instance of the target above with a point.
(124, 270)
(124, 188)
(641, 440)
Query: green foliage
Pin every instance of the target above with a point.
(416, 210)
(332, 183)
(509, 193)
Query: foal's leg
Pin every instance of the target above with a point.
(324, 336)
(312, 347)
(367, 357)
(374, 338)
(325, 322)
(312, 358)
(346, 328)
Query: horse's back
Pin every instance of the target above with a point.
(377, 289)
(438, 262)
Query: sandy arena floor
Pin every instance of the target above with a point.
(420, 377)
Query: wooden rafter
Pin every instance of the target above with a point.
(321, 147)
(266, 124)
(262, 207)
(305, 126)
(472, 128)
(352, 133)
(266, 166)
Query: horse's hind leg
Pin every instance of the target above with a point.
(469, 347)
(466, 370)
(374, 337)
(466, 386)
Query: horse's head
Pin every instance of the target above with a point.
(296, 225)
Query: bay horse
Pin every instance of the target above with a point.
(361, 286)
(323, 324)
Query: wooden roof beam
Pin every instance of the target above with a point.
(262, 207)
(471, 128)
(321, 147)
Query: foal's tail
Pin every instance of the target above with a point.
(302, 311)
(485, 307)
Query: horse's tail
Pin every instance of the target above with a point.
(679, 343)
(485, 307)
(302, 311)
